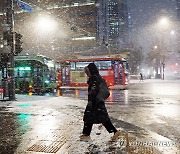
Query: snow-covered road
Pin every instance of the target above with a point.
(54, 124)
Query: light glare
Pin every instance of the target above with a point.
(164, 22)
(46, 24)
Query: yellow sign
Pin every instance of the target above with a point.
(78, 77)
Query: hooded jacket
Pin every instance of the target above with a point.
(95, 111)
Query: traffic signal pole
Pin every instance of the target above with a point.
(11, 83)
(9, 50)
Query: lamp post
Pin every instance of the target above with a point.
(163, 25)
(163, 65)
(157, 62)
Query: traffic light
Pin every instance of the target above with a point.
(8, 36)
(18, 43)
(4, 58)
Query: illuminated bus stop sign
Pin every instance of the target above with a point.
(25, 6)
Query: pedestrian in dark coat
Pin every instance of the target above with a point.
(95, 112)
(141, 77)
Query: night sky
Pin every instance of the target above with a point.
(147, 11)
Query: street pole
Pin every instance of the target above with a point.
(109, 52)
(11, 55)
(163, 69)
(9, 48)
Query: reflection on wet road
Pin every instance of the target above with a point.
(12, 127)
(148, 93)
(155, 105)
(116, 96)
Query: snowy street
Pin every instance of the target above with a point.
(121, 57)
(148, 112)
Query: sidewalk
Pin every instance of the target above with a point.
(54, 124)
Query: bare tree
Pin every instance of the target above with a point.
(135, 58)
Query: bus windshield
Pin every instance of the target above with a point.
(79, 65)
(103, 65)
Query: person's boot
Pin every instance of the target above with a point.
(85, 138)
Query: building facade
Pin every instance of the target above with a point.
(112, 23)
(178, 9)
(88, 24)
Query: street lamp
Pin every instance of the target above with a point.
(172, 32)
(163, 25)
(164, 22)
(155, 47)
(45, 24)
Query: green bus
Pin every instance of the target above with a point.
(34, 74)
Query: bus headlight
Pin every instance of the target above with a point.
(46, 81)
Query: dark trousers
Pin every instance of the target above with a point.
(108, 125)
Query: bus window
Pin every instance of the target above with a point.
(126, 67)
(38, 71)
(72, 66)
(16, 73)
(81, 65)
(23, 73)
(57, 66)
(49, 75)
(103, 65)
